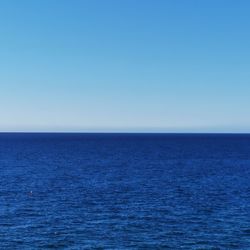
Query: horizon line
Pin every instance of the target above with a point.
(116, 132)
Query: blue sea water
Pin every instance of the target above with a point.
(124, 191)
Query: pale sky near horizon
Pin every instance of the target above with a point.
(133, 66)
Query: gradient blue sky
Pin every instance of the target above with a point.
(125, 65)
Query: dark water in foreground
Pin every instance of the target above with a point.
(124, 191)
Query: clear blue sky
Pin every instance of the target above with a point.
(125, 65)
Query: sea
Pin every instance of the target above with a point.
(124, 191)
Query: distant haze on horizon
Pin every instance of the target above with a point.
(125, 66)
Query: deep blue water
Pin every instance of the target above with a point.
(124, 191)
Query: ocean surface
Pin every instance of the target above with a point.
(124, 191)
